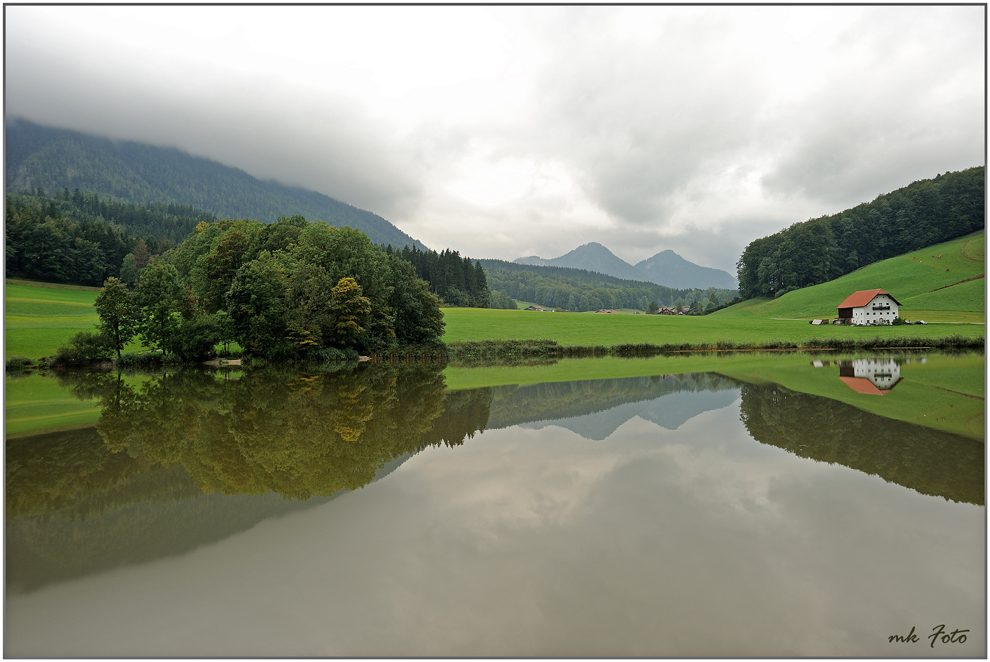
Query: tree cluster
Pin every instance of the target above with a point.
(456, 280)
(82, 239)
(288, 290)
(579, 290)
(822, 249)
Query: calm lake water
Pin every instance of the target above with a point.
(373, 512)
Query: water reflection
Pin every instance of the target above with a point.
(925, 460)
(619, 517)
(595, 409)
(871, 376)
(193, 456)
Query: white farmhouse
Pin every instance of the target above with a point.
(868, 307)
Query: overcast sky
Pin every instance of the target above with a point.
(510, 131)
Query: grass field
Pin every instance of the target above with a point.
(39, 319)
(465, 324)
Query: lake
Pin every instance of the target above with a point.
(793, 505)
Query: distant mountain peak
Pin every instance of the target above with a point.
(665, 268)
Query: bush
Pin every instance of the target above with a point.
(84, 347)
(334, 355)
(196, 339)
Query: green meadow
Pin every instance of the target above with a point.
(38, 319)
(41, 317)
(470, 324)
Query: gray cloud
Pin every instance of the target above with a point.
(644, 128)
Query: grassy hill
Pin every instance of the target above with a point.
(941, 283)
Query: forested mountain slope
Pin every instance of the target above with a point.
(822, 249)
(944, 278)
(56, 159)
(83, 239)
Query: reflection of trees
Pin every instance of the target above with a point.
(157, 474)
(928, 461)
(296, 434)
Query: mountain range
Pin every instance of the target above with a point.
(665, 268)
(57, 159)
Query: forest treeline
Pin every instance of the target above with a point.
(53, 159)
(579, 290)
(83, 239)
(456, 280)
(282, 291)
(822, 249)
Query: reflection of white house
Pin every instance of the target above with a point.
(868, 307)
(872, 376)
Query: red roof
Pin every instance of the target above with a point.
(862, 385)
(863, 297)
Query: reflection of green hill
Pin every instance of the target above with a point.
(927, 461)
(512, 405)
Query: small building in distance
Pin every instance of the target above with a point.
(868, 307)
(538, 308)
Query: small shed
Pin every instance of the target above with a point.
(868, 307)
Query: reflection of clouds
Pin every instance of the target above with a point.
(496, 489)
(698, 542)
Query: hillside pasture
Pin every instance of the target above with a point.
(926, 285)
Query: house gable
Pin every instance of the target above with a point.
(869, 307)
